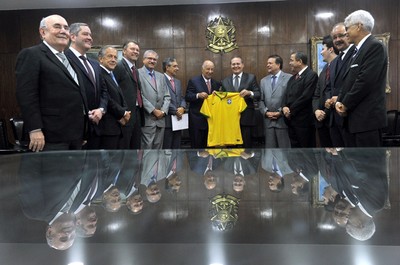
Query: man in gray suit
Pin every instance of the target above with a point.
(273, 87)
(172, 139)
(156, 101)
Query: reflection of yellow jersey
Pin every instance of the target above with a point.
(220, 153)
(223, 115)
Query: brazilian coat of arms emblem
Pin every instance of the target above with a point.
(220, 34)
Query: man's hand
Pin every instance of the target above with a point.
(320, 115)
(95, 115)
(341, 109)
(273, 115)
(202, 95)
(37, 142)
(158, 114)
(179, 112)
(125, 119)
(286, 112)
(245, 93)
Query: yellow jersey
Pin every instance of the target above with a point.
(222, 110)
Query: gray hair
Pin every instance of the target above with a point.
(74, 28)
(360, 16)
(361, 233)
(167, 62)
(103, 49)
(148, 52)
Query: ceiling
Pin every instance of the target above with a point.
(48, 4)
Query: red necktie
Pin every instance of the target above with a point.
(138, 94)
(208, 86)
(328, 73)
(173, 84)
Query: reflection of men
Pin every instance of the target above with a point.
(52, 103)
(86, 222)
(323, 92)
(198, 89)
(117, 114)
(298, 102)
(246, 85)
(274, 162)
(172, 139)
(127, 77)
(273, 88)
(156, 100)
(362, 98)
(96, 92)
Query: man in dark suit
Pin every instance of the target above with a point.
(298, 102)
(323, 92)
(49, 91)
(339, 135)
(117, 114)
(198, 89)
(127, 77)
(177, 105)
(96, 92)
(246, 84)
(156, 101)
(362, 98)
(273, 88)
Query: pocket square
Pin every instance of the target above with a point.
(353, 65)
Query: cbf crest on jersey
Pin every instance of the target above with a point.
(220, 34)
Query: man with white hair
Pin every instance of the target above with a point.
(362, 98)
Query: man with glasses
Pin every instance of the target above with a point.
(156, 99)
(49, 91)
(339, 136)
(362, 98)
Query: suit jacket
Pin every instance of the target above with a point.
(298, 98)
(248, 82)
(362, 177)
(363, 91)
(177, 99)
(320, 96)
(338, 69)
(273, 100)
(96, 94)
(198, 85)
(48, 96)
(154, 97)
(128, 85)
(117, 106)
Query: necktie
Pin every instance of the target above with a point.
(353, 56)
(113, 78)
(297, 76)
(275, 167)
(236, 83)
(153, 79)
(138, 94)
(68, 66)
(273, 82)
(173, 84)
(328, 73)
(208, 86)
(88, 69)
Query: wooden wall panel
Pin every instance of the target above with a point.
(125, 28)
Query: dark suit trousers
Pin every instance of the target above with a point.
(131, 136)
(198, 138)
(246, 136)
(73, 145)
(302, 137)
(324, 136)
(172, 139)
(368, 139)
